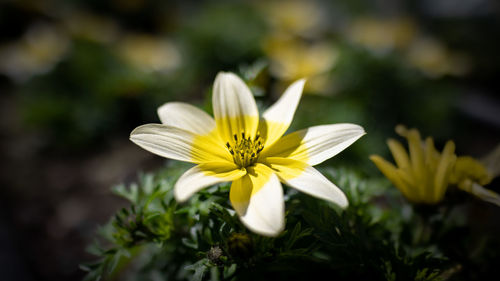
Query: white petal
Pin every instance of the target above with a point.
(173, 143)
(204, 175)
(316, 144)
(235, 110)
(312, 182)
(279, 116)
(259, 202)
(305, 178)
(187, 117)
(484, 194)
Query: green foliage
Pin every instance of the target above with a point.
(203, 239)
(90, 95)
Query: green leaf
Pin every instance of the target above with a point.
(199, 268)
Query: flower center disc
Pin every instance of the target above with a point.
(245, 151)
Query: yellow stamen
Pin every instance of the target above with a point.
(245, 150)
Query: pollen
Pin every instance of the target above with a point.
(245, 150)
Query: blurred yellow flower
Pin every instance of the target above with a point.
(149, 53)
(424, 174)
(434, 59)
(470, 175)
(382, 35)
(296, 17)
(91, 26)
(293, 44)
(292, 59)
(41, 47)
(421, 51)
(468, 170)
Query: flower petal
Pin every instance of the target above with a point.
(278, 117)
(307, 179)
(417, 157)
(315, 144)
(395, 176)
(204, 175)
(234, 106)
(178, 144)
(399, 153)
(444, 170)
(258, 200)
(483, 193)
(187, 117)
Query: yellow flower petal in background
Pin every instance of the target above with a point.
(391, 172)
(443, 170)
(467, 167)
(470, 175)
(417, 159)
(399, 153)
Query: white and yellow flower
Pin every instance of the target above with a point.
(239, 146)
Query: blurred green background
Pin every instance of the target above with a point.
(77, 76)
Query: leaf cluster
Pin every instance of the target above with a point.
(156, 238)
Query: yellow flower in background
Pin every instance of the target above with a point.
(293, 17)
(149, 53)
(420, 51)
(468, 170)
(424, 174)
(471, 175)
(292, 59)
(239, 146)
(435, 60)
(83, 24)
(37, 52)
(382, 35)
(295, 44)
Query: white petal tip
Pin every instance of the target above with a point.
(340, 200)
(343, 204)
(226, 75)
(180, 196)
(264, 228)
(300, 83)
(267, 231)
